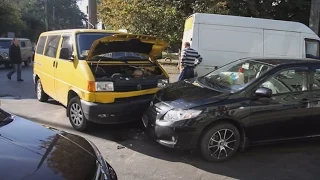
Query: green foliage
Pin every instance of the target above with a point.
(165, 18)
(27, 17)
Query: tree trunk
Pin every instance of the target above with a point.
(315, 16)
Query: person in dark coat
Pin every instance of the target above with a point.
(16, 59)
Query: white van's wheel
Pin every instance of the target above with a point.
(76, 115)
(41, 95)
(26, 63)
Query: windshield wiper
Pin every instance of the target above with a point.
(211, 82)
(6, 121)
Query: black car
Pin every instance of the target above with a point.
(246, 102)
(31, 151)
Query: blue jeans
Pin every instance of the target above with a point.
(16, 68)
(187, 73)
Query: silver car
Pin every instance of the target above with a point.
(25, 46)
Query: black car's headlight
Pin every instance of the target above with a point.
(180, 114)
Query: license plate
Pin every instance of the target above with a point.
(145, 121)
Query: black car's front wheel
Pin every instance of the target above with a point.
(76, 115)
(220, 142)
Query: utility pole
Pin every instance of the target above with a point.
(46, 13)
(92, 12)
(315, 16)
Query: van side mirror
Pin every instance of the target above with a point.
(66, 54)
(263, 92)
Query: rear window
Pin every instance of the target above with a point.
(312, 48)
(40, 45)
(5, 44)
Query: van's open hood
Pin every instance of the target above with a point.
(144, 44)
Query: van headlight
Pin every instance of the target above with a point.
(5, 55)
(180, 114)
(162, 83)
(104, 86)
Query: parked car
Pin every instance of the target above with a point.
(249, 101)
(104, 77)
(221, 39)
(31, 151)
(25, 46)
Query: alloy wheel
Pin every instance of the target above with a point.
(222, 143)
(76, 114)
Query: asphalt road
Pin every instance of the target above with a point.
(134, 156)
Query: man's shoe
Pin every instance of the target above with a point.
(8, 77)
(20, 80)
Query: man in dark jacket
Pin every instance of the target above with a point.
(16, 59)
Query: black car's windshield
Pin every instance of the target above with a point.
(236, 75)
(5, 44)
(85, 41)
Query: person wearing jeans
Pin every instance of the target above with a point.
(16, 60)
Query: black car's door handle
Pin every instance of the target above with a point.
(54, 63)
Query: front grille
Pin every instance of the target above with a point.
(135, 98)
(128, 88)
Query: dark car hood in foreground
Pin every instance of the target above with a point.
(189, 94)
(31, 151)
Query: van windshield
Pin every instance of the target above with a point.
(85, 41)
(5, 44)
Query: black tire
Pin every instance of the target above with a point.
(41, 95)
(76, 115)
(225, 144)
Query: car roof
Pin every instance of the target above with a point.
(275, 61)
(79, 31)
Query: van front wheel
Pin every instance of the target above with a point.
(76, 115)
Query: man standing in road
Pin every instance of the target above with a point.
(190, 58)
(16, 60)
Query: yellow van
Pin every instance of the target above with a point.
(100, 76)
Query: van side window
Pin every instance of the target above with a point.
(40, 46)
(52, 46)
(312, 48)
(23, 44)
(67, 43)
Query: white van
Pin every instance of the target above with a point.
(221, 39)
(26, 48)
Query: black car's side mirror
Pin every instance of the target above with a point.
(66, 54)
(263, 92)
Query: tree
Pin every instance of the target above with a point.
(315, 16)
(10, 17)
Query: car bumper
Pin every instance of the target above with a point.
(178, 135)
(117, 112)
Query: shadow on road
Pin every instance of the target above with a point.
(299, 160)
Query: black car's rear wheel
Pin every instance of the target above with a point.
(220, 142)
(76, 115)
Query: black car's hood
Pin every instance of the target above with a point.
(31, 151)
(188, 94)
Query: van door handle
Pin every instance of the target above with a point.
(54, 63)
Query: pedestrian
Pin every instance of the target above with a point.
(190, 58)
(16, 59)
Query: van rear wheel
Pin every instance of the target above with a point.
(76, 115)
(41, 95)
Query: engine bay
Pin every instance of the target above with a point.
(126, 72)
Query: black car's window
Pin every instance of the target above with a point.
(289, 80)
(315, 75)
(41, 43)
(52, 46)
